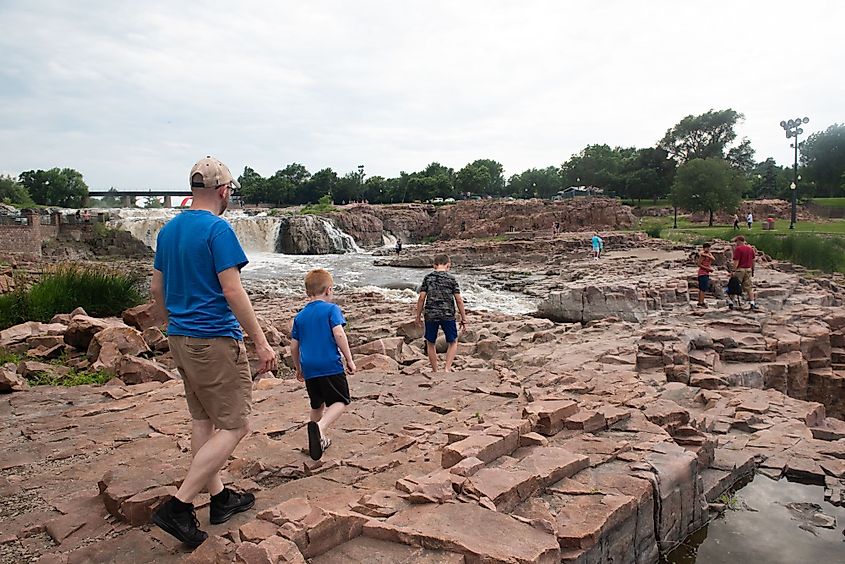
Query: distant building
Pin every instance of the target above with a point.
(578, 192)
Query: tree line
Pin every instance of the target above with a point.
(699, 164)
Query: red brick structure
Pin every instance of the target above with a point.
(26, 239)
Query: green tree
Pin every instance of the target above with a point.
(707, 185)
(768, 180)
(347, 188)
(535, 183)
(823, 158)
(110, 200)
(254, 188)
(475, 182)
(647, 174)
(708, 136)
(598, 165)
(322, 182)
(55, 187)
(13, 192)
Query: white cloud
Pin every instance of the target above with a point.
(131, 94)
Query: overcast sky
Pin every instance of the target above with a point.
(131, 94)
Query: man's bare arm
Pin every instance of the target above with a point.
(233, 291)
(157, 292)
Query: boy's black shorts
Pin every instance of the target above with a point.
(328, 390)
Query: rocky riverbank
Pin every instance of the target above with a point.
(600, 438)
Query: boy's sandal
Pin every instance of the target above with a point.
(315, 442)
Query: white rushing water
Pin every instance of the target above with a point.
(283, 275)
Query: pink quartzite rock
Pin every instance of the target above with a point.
(134, 370)
(666, 413)
(390, 346)
(126, 339)
(11, 381)
(585, 420)
(215, 550)
(143, 316)
(274, 550)
(482, 446)
(551, 415)
(377, 362)
(82, 329)
(480, 534)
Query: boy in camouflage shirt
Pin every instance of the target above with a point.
(439, 293)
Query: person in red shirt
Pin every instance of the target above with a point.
(705, 267)
(743, 262)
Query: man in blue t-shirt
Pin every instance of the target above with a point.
(197, 279)
(317, 341)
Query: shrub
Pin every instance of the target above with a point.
(73, 378)
(654, 231)
(323, 205)
(101, 292)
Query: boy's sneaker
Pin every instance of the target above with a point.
(730, 305)
(182, 524)
(325, 443)
(753, 307)
(227, 503)
(315, 442)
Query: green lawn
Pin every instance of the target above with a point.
(834, 227)
(830, 202)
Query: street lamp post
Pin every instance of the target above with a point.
(361, 181)
(793, 128)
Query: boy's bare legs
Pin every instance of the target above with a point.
(202, 430)
(431, 349)
(450, 354)
(329, 416)
(208, 461)
(317, 414)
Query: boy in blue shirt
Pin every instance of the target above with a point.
(598, 246)
(317, 342)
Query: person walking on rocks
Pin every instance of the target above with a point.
(705, 267)
(743, 264)
(749, 219)
(598, 246)
(439, 293)
(317, 342)
(196, 278)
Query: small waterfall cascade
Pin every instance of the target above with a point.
(388, 239)
(342, 242)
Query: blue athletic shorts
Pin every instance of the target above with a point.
(450, 329)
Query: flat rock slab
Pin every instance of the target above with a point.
(484, 535)
(374, 551)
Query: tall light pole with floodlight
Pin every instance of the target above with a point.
(793, 128)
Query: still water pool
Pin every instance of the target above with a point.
(771, 524)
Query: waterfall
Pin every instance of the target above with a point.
(257, 233)
(342, 242)
(388, 239)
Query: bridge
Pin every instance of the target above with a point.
(127, 195)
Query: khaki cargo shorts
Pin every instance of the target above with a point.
(744, 276)
(218, 384)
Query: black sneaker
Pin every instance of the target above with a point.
(234, 502)
(181, 524)
(315, 443)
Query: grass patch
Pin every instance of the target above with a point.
(101, 292)
(646, 203)
(829, 202)
(323, 205)
(73, 378)
(730, 501)
(9, 357)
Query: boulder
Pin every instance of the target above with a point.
(143, 316)
(390, 346)
(155, 339)
(273, 550)
(10, 381)
(82, 329)
(126, 339)
(37, 370)
(410, 331)
(377, 362)
(24, 331)
(134, 370)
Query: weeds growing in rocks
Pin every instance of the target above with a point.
(73, 378)
(323, 205)
(101, 292)
(9, 357)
